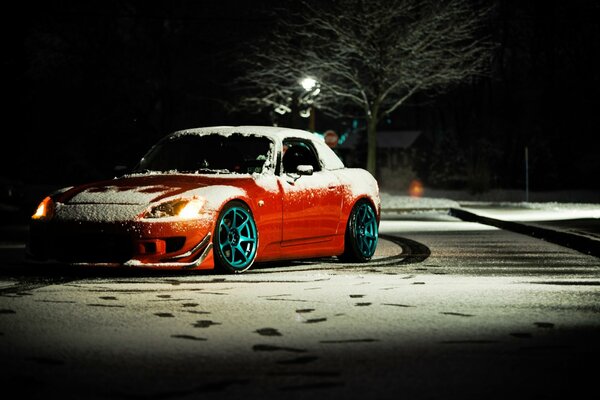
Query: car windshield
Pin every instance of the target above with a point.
(212, 153)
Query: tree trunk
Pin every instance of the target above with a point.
(372, 145)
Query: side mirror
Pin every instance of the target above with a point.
(304, 169)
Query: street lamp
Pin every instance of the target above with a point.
(308, 83)
(311, 90)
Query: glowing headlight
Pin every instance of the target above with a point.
(191, 209)
(45, 210)
(187, 208)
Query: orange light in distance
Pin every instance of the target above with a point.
(415, 189)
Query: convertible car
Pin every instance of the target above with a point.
(215, 197)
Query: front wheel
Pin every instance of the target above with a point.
(236, 238)
(362, 233)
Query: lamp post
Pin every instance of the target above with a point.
(311, 90)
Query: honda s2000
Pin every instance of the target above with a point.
(222, 197)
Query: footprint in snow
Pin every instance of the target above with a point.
(205, 324)
(268, 332)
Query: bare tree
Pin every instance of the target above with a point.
(368, 57)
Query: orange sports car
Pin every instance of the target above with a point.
(222, 197)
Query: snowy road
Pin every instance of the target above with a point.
(466, 311)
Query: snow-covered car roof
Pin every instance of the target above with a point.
(274, 132)
(327, 156)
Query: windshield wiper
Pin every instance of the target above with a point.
(212, 171)
(203, 171)
(185, 171)
(141, 171)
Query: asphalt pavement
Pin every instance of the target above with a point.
(571, 226)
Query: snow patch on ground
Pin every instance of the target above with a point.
(550, 206)
(392, 201)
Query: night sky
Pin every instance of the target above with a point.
(92, 84)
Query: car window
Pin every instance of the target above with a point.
(298, 152)
(214, 153)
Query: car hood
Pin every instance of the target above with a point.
(142, 189)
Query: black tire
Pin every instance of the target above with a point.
(235, 242)
(362, 232)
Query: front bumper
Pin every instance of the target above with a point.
(147, 244)
(198, 255)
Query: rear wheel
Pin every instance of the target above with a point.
(236, 238)
(361, 233)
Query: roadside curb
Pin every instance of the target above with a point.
(408, 210)
(573, 241)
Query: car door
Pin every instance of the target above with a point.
(312, 202)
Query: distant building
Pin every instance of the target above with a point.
(394, 165)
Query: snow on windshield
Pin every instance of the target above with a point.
(213, 153)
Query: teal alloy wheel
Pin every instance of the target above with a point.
(362, 233)
(236, 238)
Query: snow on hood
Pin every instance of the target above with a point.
(121, 194)
(127, 198)
(140, 189)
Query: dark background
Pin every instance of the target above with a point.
(89, 85)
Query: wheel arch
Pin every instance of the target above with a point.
(349, 206)
(358, 184)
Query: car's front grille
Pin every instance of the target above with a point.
(94, 247)
(81, 247)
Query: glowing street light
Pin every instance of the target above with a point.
(308, 83)
(312, 89)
